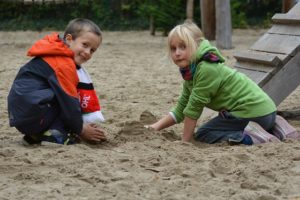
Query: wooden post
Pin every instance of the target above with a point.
(190, 10)
(152, 25)
(208, 19)
(223, 24)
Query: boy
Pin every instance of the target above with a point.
(43, 102)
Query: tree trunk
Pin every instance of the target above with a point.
(152, 25)
(224, 27)
(190, 10)
(208, 19)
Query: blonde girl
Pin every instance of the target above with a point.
(208, 82)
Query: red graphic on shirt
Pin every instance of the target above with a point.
(89, 101)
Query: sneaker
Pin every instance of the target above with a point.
(55, 136)
(29, 140)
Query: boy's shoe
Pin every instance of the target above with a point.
(55, 136)
(29, 140)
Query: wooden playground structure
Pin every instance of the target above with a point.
(273, 61)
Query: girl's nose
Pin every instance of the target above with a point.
(178, 52)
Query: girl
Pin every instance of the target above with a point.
(208, 82)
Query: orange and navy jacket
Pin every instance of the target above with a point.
(49, 78)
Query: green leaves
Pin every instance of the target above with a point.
(126, 14)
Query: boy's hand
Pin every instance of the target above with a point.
(91, 133)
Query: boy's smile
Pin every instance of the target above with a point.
(83, 46)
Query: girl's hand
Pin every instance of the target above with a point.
(163, 123)
(188, 129)
(149, 127)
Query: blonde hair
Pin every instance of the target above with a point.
(189, 33)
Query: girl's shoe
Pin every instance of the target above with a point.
(258, 134)
(283, 130)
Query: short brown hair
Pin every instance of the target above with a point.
(79, 25)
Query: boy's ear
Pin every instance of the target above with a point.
(69, 38)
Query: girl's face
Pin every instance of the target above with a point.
(83, 46)
(180, 54)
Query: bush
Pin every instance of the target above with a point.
(125, 14)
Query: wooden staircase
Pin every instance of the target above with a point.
(273, 62)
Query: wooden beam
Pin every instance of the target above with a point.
(284, 81)
(190, 10)
(223, 24)
(208, 19)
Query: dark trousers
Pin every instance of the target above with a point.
(226, 126)
(50, 120)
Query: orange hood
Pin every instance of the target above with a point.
(50, 45)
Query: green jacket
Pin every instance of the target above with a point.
(219, 87)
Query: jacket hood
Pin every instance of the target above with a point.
(204, 48)
(50, 45)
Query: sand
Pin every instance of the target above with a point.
(137, 84)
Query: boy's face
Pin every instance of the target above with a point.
(83, 46)
(179, 52)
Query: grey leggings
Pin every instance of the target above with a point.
(226, 126)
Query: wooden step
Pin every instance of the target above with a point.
(285, 29)
(259, 77)
(286, 19)
(258, 57)
(295, 10)
(278, 44)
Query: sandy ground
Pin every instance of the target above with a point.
(136, 84)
